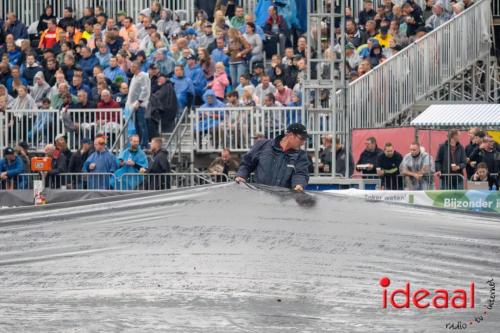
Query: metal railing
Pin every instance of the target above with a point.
(174, 142)
(23, 181)
(128, 181)
(237, 128)
(418, 70)
(29, 11)
(40, 127)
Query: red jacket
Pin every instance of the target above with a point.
(108, 116)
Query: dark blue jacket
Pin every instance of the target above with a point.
(88, 64)
(13, 168)
(30, 72)
(272, 166)
(18, 29)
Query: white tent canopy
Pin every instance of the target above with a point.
(459, 115)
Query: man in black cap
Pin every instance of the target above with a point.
(10, 167)
(154, 74)
(279, 161)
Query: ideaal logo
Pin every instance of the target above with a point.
(439, 299)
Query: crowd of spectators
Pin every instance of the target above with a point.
(479, 161)
(92, 167)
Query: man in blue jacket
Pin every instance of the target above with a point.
(184, 89)
(102, 163)
(88, 61)
(279, 161)
(10, 167)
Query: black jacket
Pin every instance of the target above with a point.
(469, 149)
(76, 161)
(444, 160)
(370, 157)
(159, 165)
(272, 166)
(340, 160)
(390, 166)
(491, 158)
(163, 103)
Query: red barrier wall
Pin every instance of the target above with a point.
(401, 137)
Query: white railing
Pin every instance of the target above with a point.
(419, 69)
(2, 126)
(237, 128)
(29, 11)
(23, 181)
(40, 127)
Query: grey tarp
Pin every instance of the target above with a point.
(233, 259)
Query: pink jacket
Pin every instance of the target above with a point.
(219, 84)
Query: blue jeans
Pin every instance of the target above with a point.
(141, 127)
(235, 71)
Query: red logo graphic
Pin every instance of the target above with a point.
(424, 298)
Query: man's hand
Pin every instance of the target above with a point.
(418, 176)
(3, 175)
(122, 163)
(437, 174)
(240, 180)
(298, 188)
(130, 162)
(369, 166)
(455, 168)
(91, 166)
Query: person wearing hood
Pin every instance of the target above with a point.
(367, 162)
(23, 101)
(132, 160)
(375, 54)
(103, 55)
(165, 63)
(439, 17)
(163, 106)
(8, 98)
(210, 119)
(100, 162)
(40, 88)
(184, 89)
(166, 25)
(193, 71)
(158, 167)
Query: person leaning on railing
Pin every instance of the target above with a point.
(10, 167)
(450, 162)
(417, 167)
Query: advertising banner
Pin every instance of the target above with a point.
(479, 201)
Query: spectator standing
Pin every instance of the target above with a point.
(367, 162)
(220, 81)
(163, 106)
(138, 100)
(46, 18)
(194, 72)
(450, 162)
(417, 168)
(159, 166)
(238, 49)
(132, 160)
(388, 168)
(340, 157)
(276, 31)
(475, 137)
(59, 166)
(367, 13)
(100, 163)
(487, 153)
(184, 89)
